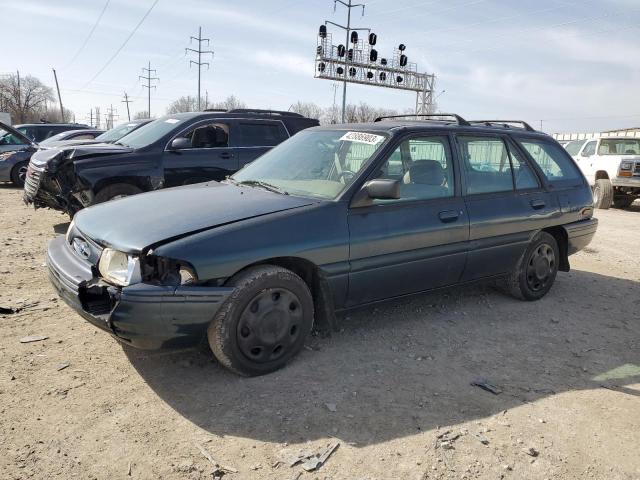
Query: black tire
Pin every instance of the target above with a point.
(265, 321)
(116, 190)
(19, 173)
(537, 269)
(623, 201)
(603, 194)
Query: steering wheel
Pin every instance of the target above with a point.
(346, 175)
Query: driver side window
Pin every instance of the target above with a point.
(423, 167)
(589, 149)
(211, 135)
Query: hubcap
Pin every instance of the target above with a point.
(540, 268)
(596, 194)
(22, 173)
(269, 325)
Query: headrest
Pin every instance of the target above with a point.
(425, 172)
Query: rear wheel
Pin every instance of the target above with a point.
(19, 173)
(623, 201)
(115, 191)
(603, 194)
(265, 321)
(537, 269)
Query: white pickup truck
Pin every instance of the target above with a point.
(612, 167)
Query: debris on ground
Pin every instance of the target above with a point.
(33, 338)
(62, 366)
(332, 407)
(7, 310)
(532, 452)
(219, 467)
(291, 458)
(485, 385)
(446, 440)
(318, 460)
(482, 439)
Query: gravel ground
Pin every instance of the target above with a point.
(393, 387)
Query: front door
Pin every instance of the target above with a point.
(414, 243)
(505, 200)
(211, 154)
(258, 137)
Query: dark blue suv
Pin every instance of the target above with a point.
(333, 218)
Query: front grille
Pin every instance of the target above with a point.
(32, 182)
(637, 169)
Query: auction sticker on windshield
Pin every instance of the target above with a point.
(362, 137)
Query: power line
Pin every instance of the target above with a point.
(199, 51)
(86, 40)
(123, 43)
(148, 85)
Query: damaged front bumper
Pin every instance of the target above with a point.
(45, 191)
(142, 315)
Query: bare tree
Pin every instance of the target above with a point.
(25, 100)
(229, 103)
(307, 109)
(141, 115)
(185, 104)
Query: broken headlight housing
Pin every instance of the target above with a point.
(119, 268)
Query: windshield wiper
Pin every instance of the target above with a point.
(265, 185)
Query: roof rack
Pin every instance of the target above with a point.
(504, 123)
(458, 118)
(264, 112)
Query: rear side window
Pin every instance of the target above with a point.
(486, 164)
(553, 160)
(262, 134)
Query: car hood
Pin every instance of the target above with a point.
(135, 223)
(44, 157)
(71, 143)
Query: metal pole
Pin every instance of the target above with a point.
(20, 98)
(59, 97)
(127, 102)
(346, 61)
(149, 92)
(199, 62)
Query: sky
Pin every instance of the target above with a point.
(563, 65)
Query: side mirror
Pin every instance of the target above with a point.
(382, 189)
(180, 143)
(377, 189)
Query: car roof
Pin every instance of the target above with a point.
(78, 126)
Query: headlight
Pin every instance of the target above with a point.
(626, 165)
(119, 268)
(5, 156)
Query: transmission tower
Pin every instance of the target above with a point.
(199, 51)
(148, 85)
(109, 116)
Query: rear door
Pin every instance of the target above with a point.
(505, 200)
(419, 241)
(257, 137)
(211, 155)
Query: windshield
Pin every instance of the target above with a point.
(151, 132)
(619, 146)
(313, 163)
(117, 133)
(574, 147)
(7, 138)
(55, 138)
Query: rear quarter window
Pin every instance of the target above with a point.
(554, 162)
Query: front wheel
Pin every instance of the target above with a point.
(537, 269)
(115, 191)
(265, 321)
(603, 194)
(19, 173)
(623, 201)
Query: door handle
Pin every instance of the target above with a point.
(448, 216)
(226, 155)
(537, 204)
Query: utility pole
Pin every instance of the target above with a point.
(59, 97)
(127, 102)
(199, 51)
(348, 29)
(148, 86)
(206, 99)
(91, 117)
(97, 117)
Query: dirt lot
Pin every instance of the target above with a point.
(398, 377)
